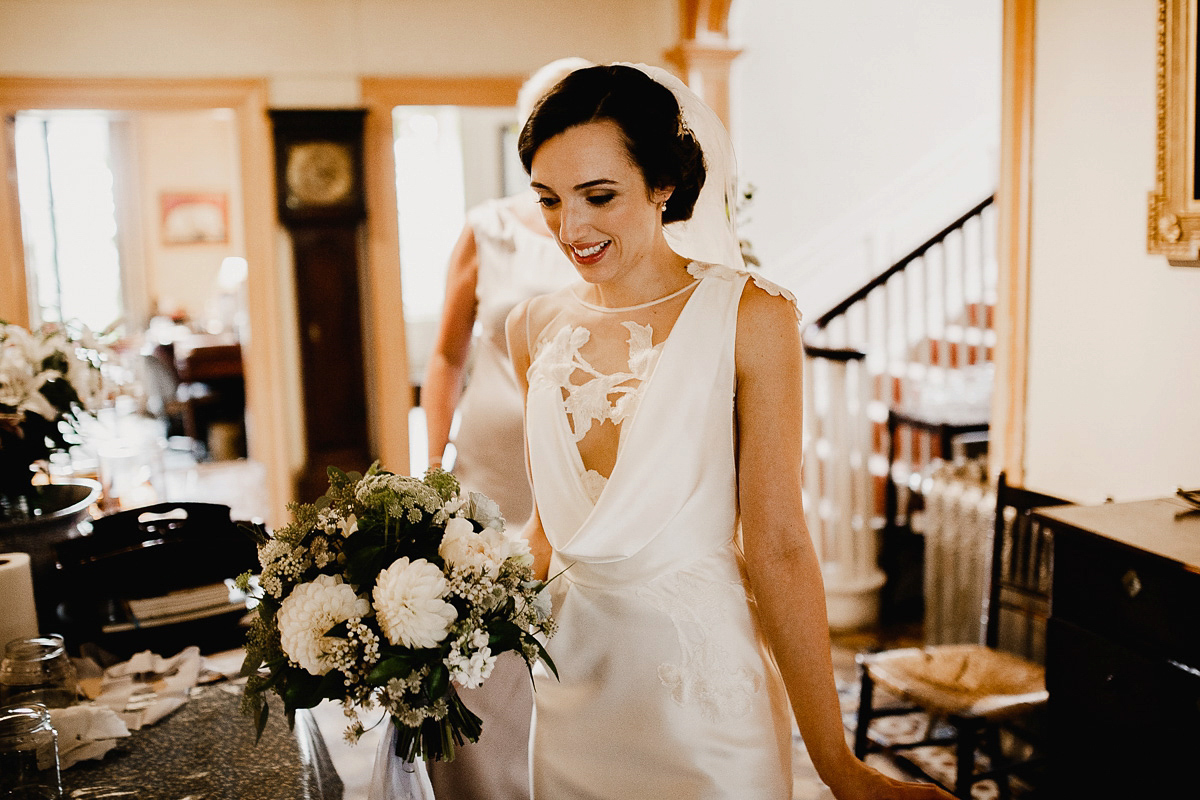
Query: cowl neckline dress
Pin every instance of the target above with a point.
(665, 687)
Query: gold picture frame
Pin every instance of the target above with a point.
(1173, 219)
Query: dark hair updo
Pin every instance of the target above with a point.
(648, 115)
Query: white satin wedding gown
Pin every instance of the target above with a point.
(665, 688)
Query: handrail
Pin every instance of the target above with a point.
(899, 335)
(834, 353)
(882, 278)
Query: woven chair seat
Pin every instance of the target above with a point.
(962, 679)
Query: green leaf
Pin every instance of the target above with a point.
(546, 659)
(504, 634)
(439, 680)
(300, 689)
(386, 669)
(363, 564)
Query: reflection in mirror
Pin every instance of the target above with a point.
(448, 159)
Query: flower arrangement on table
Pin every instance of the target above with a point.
(390, 592)
(49, 379)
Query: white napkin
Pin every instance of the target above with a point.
(85, 731)
(147, 687)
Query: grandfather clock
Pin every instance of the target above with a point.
(319, 185)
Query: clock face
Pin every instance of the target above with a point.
(319, 174)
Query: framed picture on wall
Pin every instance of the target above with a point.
(1173, 228)
(194, 217)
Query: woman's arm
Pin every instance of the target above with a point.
(515, 330)
(784, 575)
(444, 374)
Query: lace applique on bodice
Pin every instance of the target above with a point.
(600, 397)
(592, 364)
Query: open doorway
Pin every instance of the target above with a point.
(389, 377)
(448, 159)
(146, 206)
(132, 224)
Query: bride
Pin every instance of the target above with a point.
(663, 426)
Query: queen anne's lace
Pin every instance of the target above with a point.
(593, 400)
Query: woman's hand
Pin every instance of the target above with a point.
(864, 783)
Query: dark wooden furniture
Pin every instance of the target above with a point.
(321, 203)
(1123, 660)
(975, 688)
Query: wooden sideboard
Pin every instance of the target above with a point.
(1123, 650)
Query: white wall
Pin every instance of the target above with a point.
(184, 276)
(314, 51)
(1114, 374)
(865, 125)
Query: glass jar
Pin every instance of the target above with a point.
(28, 754)
(38, 670)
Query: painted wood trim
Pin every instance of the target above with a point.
(389, 390)
(269, 417)
(699, 19)
(14, 291)
(703, 56)
(1013, 241)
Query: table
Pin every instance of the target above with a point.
(206, 749)
(1123, 649)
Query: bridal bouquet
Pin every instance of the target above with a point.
(391, 592)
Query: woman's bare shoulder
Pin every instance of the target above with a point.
(765, 315)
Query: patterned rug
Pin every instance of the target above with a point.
(936, 761)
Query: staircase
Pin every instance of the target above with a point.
(894, 373)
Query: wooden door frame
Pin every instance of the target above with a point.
(267, 413)
(1009, 401)
(385, 344)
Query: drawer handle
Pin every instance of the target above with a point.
(1132, 584)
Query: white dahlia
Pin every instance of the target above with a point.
(308, 612)
(409, 605)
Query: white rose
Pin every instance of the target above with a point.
(409, 605)
(462, 547)
(309, 611)
(508, 546)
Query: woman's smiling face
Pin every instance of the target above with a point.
(596, 203)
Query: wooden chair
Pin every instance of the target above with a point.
(974, 688)
(133, 560)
